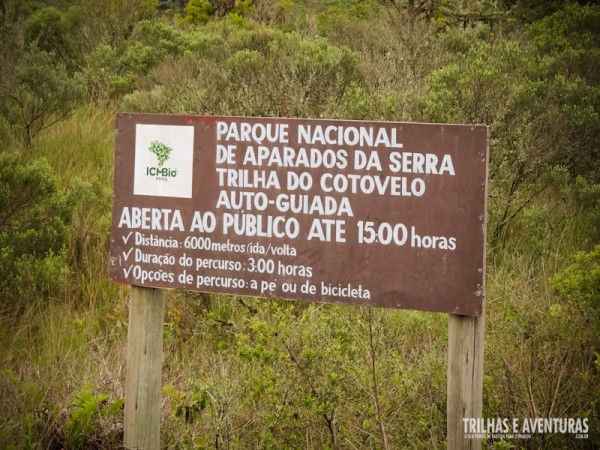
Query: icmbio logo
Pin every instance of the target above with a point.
(162, 152)
(164, 156)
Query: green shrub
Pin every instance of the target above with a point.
(34, 218)
(581, 280)
(571, 37)
(48, 29)
(90, 413)
(198, 11)
(103, 74)
(255, 71)
(41, 93)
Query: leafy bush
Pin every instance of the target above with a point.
(198, 11)
(48, 30)
(581, 280)
(41, 93)
(34, 218)
(571, 36)
(303, 77)
(88, 423)
(103, 74)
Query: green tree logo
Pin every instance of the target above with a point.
(162, 151)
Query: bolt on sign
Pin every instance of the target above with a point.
(384, 214)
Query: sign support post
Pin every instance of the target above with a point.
(144, 368)
(465, 378)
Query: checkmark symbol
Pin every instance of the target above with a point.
(126, 271)
(126, 238)
(126, 254)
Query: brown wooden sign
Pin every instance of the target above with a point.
(365, 213)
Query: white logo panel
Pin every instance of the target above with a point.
(164, 157)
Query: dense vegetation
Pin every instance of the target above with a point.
(250, 373)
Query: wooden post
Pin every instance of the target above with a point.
(144, 368)
(465, 377)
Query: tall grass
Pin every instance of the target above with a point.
(81, 147)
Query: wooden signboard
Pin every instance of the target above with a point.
(364, 213)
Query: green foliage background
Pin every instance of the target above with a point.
(250, 373)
